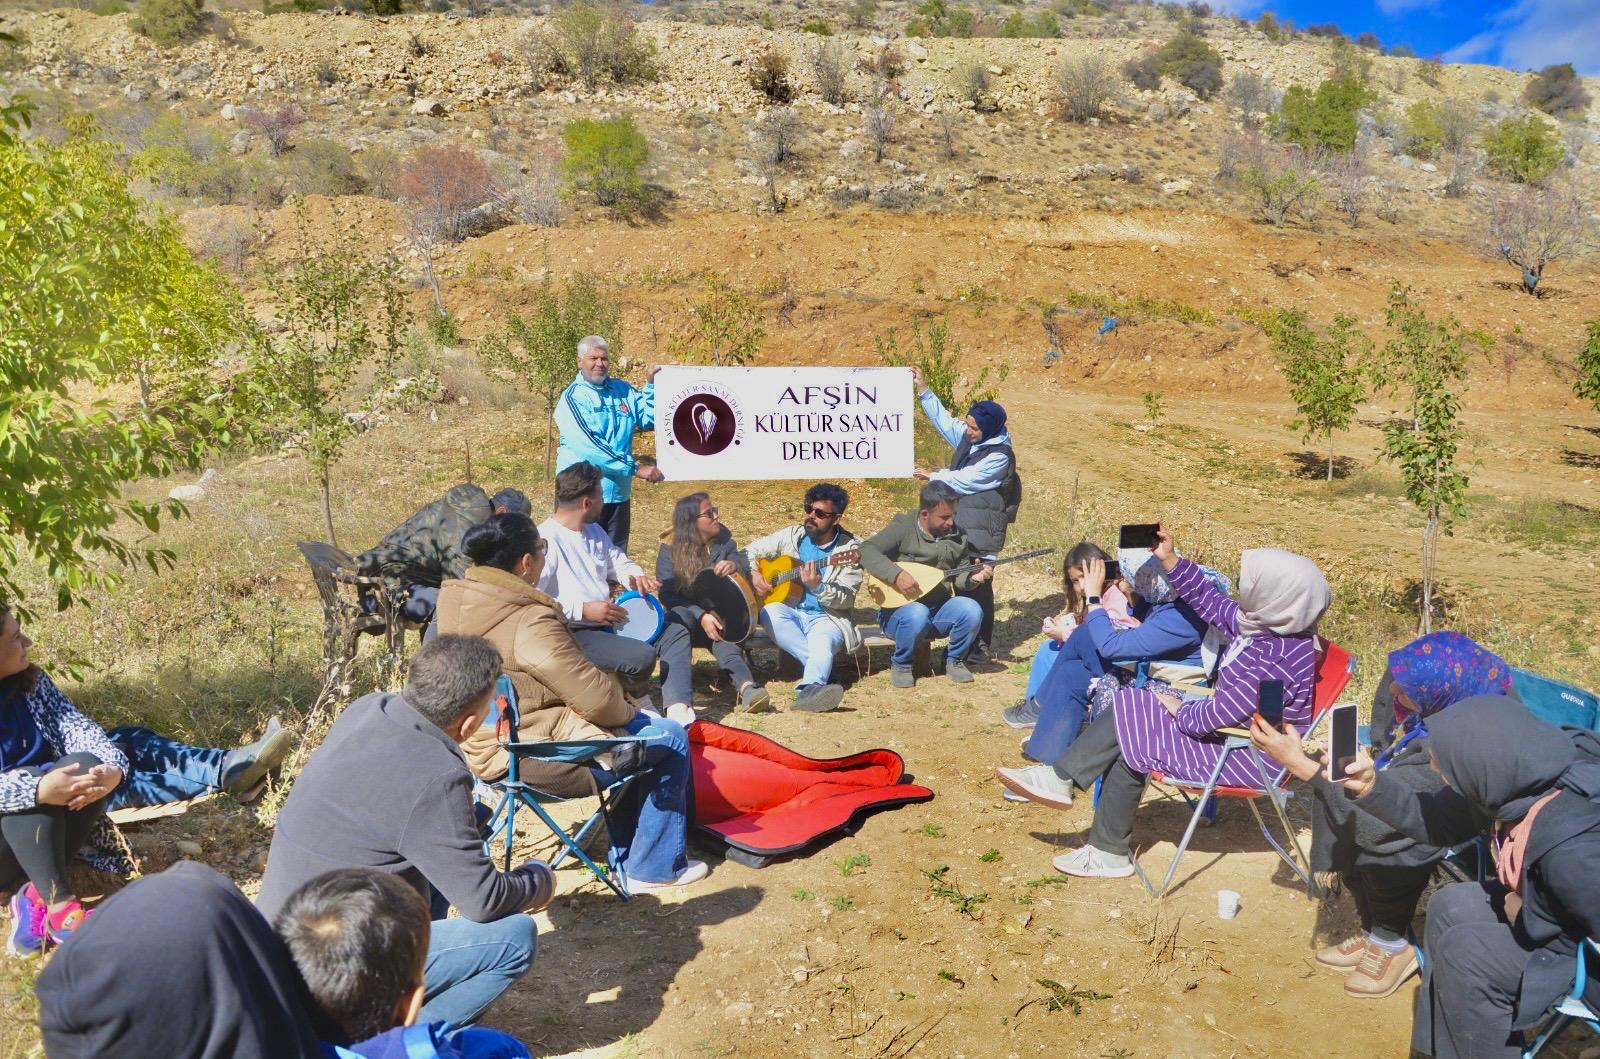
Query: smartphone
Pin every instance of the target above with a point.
(1269, 703)
(1137, 535)
(1342, 740)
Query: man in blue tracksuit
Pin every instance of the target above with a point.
(597, 416)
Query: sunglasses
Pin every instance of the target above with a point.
(817, 512)
(710, 512)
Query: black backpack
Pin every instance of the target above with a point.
(1010, 489)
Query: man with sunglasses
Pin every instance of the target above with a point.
(814, 628)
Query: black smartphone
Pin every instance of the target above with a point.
(1137, 535)
(1341, 740)
(1269, 703)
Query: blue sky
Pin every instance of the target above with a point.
(1520, 34)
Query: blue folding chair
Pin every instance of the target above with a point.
(1570, 1008)
(1561, 704)
(514, 791)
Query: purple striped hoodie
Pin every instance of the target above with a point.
(1183, 747)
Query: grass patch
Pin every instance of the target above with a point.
(1137, 306)
(847, 865)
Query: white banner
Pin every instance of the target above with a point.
(718, 424)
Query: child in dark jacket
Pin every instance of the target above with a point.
(360, 939)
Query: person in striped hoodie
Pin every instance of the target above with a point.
(1272, 636)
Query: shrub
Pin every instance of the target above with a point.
(1324, 29)
(1326, 118)
(1350, 63)
(937, 18)
(384, 7)
(1432, 72)
(325, 167)
(535, 197)
(1531, 227)
(1267, 26)
(1347, 174)
(380, 170)
(827, 63)
(1369, 41)
(777, 132)
(1403, 51)
(817, 26)
(327, 75)
(1042, 25)
(1144, 71)
(1283, 184)
(1526, 150)
(445, 184)
(276, 126)
(168, 21)
(1086, 84)
(1252, 95)
(605, 159)
(972, 81)
(723, 328)
(1557, 90)
(862, 13)
(879, 127)
(598, 42)
(770, 77)
(1421, 133)
(1192, 62)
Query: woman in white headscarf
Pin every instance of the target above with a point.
(1272, 633)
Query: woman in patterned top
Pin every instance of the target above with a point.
(1272, 633)
(56, 769)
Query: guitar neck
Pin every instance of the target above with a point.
(958, 571)
(794, 575)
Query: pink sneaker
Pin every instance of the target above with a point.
(27, 934)
(64, 922)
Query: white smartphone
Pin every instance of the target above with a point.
(1341, 740)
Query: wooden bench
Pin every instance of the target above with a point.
(871, 636)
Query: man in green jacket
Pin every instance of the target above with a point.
(929, 537)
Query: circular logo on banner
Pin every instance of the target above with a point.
(704, 423)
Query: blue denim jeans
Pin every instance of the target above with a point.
(1064, 697)
(162, 770)
(470, 964)
(650, 823)
(957, 617)
(1043, 659)
(810, 638)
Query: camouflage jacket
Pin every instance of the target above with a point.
(425, 549)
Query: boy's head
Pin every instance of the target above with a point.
(360, 938)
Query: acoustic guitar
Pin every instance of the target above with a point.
(783, 574)
(882, 594)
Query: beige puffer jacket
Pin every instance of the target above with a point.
(560, 693)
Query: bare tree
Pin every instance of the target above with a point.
(440, 187)
(778, 130)
(276, 126)
(534, 195)
(1253, 96)
(1347, 175)
(1086, 83)
(1459, 167)
(947, 133)
(879, 127)
(1284, 184)
(827, 64)
(1532, 226)
(972, 81)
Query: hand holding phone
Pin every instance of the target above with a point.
(1342, 744)
(1137, 535)
(1269, 703)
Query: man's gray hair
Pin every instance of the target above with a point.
(936, 493)
(590, 342)
(450, 675)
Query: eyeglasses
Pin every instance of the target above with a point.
(817, 512)
(709, 512)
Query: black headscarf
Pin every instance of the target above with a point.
(178, 965)
(1505, 760)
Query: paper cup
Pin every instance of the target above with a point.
(1227, 903)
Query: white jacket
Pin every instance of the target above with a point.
(837, 593)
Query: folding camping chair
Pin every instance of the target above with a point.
(514, 791)
(1571, 1007)
(1334, 669)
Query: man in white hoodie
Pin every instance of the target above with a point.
(581, 565)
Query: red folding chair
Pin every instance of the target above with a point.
(1334, 669)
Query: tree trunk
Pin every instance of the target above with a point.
(433, 281)
(1330, 456)
(1430, 543)
(549, 441)
(327, 507)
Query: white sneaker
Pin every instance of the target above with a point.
(1092, 863)
(682, 713)
(696, 871)
(1038, 783)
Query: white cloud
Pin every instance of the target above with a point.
(1536, 33)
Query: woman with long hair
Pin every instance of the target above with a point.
(697, 542)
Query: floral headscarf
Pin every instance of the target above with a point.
(1443, 668)
(1150, 581)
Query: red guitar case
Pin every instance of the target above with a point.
(761, 800)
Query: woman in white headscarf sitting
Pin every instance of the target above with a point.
(1272, 636)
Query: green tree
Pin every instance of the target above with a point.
(1323, 370)
(538, 351)
(1426, 362)
(605, 158)
(97, 290)
(1328, 117)
(341, 316)
(723, 327)
(1526, 149)
(939, 357)
(1587, 385)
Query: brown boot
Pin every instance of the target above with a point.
(1381, 972)
(1345, 955)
